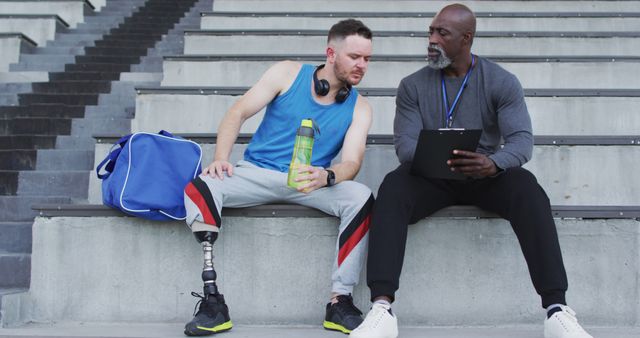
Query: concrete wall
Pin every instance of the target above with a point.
(209, 43)
(383, 74)
(276, 271)
(419, 24)
(549, 115)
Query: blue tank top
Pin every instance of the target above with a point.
(272, 144)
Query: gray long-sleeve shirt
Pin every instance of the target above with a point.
(492, 101)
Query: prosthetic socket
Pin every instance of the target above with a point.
(207, 238)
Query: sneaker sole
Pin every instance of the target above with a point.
(204, 331)
(335, 327)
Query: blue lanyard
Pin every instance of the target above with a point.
(445, 98)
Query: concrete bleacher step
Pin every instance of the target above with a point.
(8, 99)
(99, 67)
(73, 87)
(553, 112)
(15, 237)
(15, 87)
(59, 183)
(89, 126)
(23, 77)
(27, 142)
(421, 6)
(71, 11)
(39, 28)
(20, 266)
(64, 159)
(85, 75)
(57, 110)
(77, 142)
(18, 208)
(29, 126)
(21, 159)
(42, 62)
(64, 98)
(600, 255)
(9, 180)
(61, 50)
(416, 21)
(298, 41)
(11, 47)
(194, 71)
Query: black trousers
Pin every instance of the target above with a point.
(515, 195)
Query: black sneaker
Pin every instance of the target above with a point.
(212, 316)
(342, 316)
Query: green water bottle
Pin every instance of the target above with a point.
(301, 151)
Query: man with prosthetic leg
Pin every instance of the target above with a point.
(292, 92)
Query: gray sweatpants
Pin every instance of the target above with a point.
(251, 185)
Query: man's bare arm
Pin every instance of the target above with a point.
(353, 149)
(275, 80)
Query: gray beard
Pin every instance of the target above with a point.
(442, 62)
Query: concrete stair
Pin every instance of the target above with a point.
(12, 45)
(46, 149)
(71, 11)
(39, 28)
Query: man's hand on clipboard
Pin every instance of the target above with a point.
(472, 164)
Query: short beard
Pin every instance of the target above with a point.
(343, 76)
(442, 62)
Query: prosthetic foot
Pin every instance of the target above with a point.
(212, 314)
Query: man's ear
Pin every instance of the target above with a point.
(468, 38)
(331, 54)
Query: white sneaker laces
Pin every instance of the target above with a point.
(571, 325)
(374, 317)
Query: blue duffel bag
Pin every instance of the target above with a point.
(145, 174)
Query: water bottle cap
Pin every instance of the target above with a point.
(307, 123)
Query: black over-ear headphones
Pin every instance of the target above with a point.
(322, 87)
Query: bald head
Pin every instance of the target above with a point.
(459, 17)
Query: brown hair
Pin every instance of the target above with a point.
(348, 27)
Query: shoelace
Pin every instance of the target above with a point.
(373, 318)
(573, 320)
(202, 299)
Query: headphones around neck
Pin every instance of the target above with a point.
(322, 87)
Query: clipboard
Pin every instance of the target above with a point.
(435, 147)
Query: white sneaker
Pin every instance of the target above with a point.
(379, 323)
(564, 324)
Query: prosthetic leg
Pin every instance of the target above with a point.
(213, 314)
(209, 276)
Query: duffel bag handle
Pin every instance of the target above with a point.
(110, 159)
(166, 133)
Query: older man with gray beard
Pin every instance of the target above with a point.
(461, 90)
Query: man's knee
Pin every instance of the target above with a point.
(358, 192)
(524, 184)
